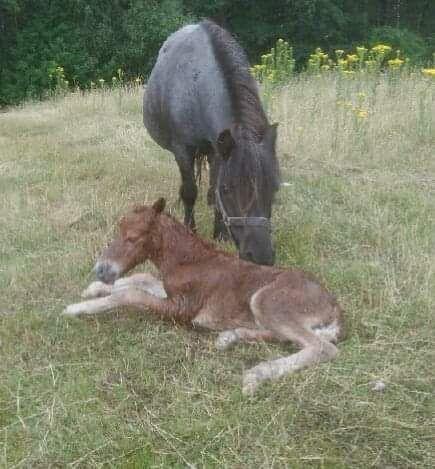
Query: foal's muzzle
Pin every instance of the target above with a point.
(107, 272)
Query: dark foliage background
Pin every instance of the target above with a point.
(92, 39)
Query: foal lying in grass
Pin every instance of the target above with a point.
(211, 289)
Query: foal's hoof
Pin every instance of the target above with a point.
(250, 383)
(96, 290)
(254, 377)
(74, 310)
(226, 339)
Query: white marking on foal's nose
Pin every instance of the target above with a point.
(107, 271)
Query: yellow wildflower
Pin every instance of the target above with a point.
(339, 53)
(361, 113)
(352, 58)
(381, 49)
(395, 63)
(428, 72)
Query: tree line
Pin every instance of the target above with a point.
(94, 39)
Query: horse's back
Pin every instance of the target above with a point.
(186, 101)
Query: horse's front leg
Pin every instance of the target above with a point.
(188, 188)
(97, 289)
(220, 231)
(131, 298)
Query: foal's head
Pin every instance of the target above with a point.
(134, 245)
(247, 182)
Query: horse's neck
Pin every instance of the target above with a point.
(177, 246)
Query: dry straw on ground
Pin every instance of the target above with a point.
(358, 209)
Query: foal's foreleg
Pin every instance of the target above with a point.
(143, 281)
(131, 298)
(96, 290)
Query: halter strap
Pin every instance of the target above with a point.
(238, 221)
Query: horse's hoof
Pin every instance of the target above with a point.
(221, 236)
(226, 339)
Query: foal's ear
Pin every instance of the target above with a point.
(225, 144)
(159, 205)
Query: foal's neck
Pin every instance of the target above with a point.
(176, 245)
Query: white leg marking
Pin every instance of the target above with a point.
(96, 290)
(330, 332)
(98, 305)
(145, 282)
(283, 366)
(226, 339)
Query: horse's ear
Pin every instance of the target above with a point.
(270, 135)
(225, 144)
(159, 205)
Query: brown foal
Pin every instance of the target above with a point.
(211, 289)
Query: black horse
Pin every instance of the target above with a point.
(202, 100)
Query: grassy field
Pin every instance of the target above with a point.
(124, 390)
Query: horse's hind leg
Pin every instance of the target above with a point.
(227, 339)
(287, 327)
(188, 188)
(313, 353)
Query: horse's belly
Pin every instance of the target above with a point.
(186, 100)
(220, 318)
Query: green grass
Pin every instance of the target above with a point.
(125, 390)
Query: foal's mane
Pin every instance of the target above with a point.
(182, 239)
(242, 88)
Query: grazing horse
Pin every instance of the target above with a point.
(201, 99)
(215, 290)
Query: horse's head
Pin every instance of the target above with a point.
(134, 244)
(247, 181)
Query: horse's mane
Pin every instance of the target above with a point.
(241, 86)
(249, 115)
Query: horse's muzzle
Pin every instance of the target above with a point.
(267, 258)
(107, 272)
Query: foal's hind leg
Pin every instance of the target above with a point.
(227, 339)
(188, 188)
(288, 327)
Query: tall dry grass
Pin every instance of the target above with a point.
(357, 208)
